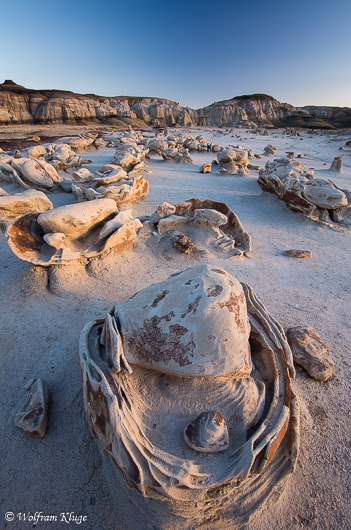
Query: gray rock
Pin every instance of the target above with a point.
(32, 417)
(323, 194)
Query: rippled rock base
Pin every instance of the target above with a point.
(197, 342)
(228, 506)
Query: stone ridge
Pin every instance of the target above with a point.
(19, 105)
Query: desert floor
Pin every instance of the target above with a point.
(40, 331)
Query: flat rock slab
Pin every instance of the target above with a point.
(310, 352)
(32, 417)
(295, 253)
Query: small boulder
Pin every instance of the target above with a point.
(270, 149)
(36, 151)
(99, 143)
(310, 352)
(208, 217)
(74, 220)
(239, 157)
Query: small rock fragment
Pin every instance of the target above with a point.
(270, 149)
(310, 352)
(255, 168)
(32, 417)
(295, 253)
(183, 243)
(208, 433)
(206, 168)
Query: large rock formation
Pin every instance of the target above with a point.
(336, 116)
(187, 388)
(21, 105)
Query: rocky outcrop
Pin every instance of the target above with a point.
(246, 110)
(21, 105)
(339, 117)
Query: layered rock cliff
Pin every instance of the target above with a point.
(21, 105)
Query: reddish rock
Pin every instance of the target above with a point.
(310, 352)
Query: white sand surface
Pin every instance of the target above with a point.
(40, 330)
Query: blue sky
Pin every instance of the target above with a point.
(194, 52)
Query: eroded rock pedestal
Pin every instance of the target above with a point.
(196, 357)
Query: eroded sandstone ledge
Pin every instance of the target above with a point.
(19, 105)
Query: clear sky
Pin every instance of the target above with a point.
(193, 52)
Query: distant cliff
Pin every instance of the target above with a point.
(19, 105)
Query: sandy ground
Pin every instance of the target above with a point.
(40, 331)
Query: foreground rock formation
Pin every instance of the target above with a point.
(21, 105)
(75, 232)
(175, 358)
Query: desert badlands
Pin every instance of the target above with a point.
(177, 304)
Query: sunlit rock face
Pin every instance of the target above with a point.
(257, 108)
(187, 388)
(13, 206)
(70, 233)
(21, 105)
